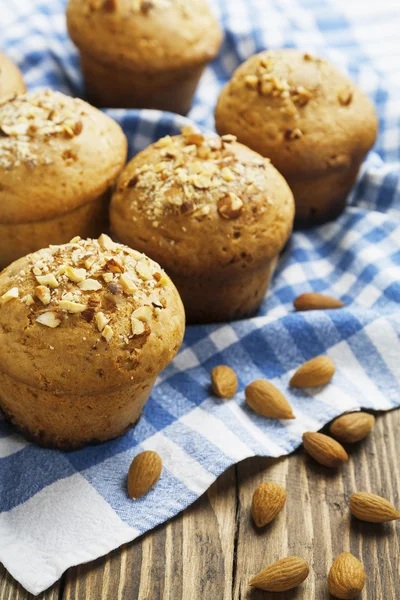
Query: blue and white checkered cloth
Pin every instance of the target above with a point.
(60, 509)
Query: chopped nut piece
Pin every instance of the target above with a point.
(47, 280)
(76, 275)
(301, 95)
(108, 277)
(138, 327)
(28, 300)
(251, 81)
(227, 174)
(128, 284)
(107, 333)
(143, 269)
(165, 141)
(90, 285)
(75, 239)
(43, 293)
(101, 321)
(115, 288)
(114, 266)
(72, 307)
(228, 138)
(345, 96)
(230, 206)
(10, 294)
(106, 242)
(144, 313)
(49, 319)
(293, 134)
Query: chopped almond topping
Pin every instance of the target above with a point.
(72, 307)
(43, 293)
(138, 327)
(10, 294)
(128, 285)
(107, 333)
(49, 280)
(49, 319)
(91, 285)
(101, 321)
(144, 313)
(106, 242)
(76, 275)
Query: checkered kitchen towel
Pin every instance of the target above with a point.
(59, 509)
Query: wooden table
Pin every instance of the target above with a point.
(212, 549)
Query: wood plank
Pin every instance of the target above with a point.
(189, 557)
(316, 522)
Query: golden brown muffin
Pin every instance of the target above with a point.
(59, 158)
(11, 82)
(314, 124)
(143, 53)
(214, 213)
(85, 328)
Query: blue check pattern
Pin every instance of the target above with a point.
(59, 509)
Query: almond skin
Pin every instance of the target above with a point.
(324, 449)
(283, 575)
(314, 372)
(352, 427)
(266, 400)
(224, 381)
(347, 577)
(314, 301)
(372, 508)
(268, 500)
(144, 472)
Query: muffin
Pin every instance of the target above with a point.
(59, 158)
(143, 53)
(214, 213)
(11, 82)
(314, 124)
(85, 328)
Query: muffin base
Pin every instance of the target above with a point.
(68, 422)
(114, 87)
(208, 300)
(20, 239)
(321, 199)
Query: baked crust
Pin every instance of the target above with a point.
(143, 35)
(11, 81)
(56, 154)
(89, 317)
(203, 206)
(299, 111)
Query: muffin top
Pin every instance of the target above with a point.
(298, 110)
(56, 154)
(11, 82)
(196, 202)
(87, 317)
(142, 34)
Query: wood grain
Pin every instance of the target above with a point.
(212, 550)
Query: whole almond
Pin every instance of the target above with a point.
(224, 381)
(315, 301)
(283, 575)
(144, 472)
(352, 427)
(372, 508)
(324, 449)
(347, 577)
(314, 372)
(268, 500)
(266, 400)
